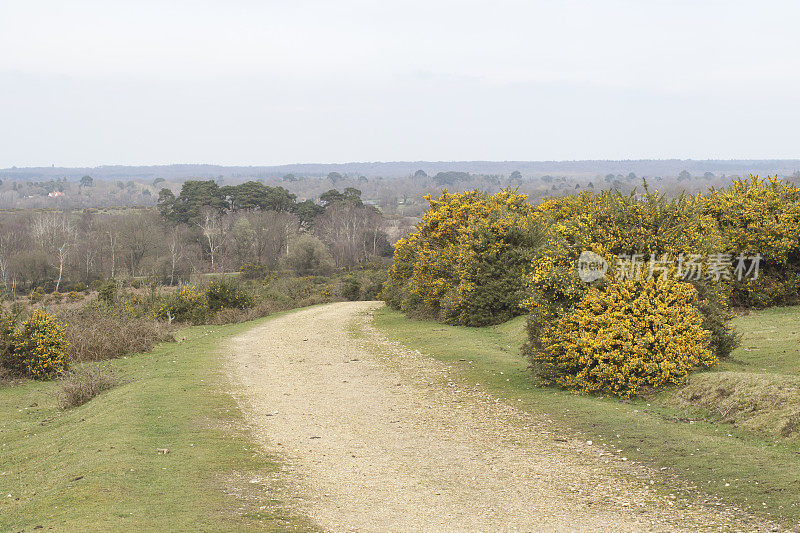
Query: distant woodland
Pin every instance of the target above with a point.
(61, 228)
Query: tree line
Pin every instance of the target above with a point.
(206, 228)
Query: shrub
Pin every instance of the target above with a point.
(623, 337)
(95, 336)
(254, 270)
(309, 256)
(761, 216)
(38, 349)
(80, 386)
(465, 263)
(373, 286)
(107, 292)
(351, 288)
(37, 295)
(610, 223)
(226, 293)
(74, 296)
(187, 304)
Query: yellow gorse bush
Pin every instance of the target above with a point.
(615, 335)
(467, 259)
(188, 303)
(624, 337)
(37, 348)
(610, 223)
(465, 262)
(761, 216)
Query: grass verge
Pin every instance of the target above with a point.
(737, 464)
(97, 467)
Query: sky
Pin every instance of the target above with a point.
(247, 82)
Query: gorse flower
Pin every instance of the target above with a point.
(623, 337)
(37, 348)
(465, 262)
(476, 259)
(761, 216)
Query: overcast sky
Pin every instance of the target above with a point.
(268, 82)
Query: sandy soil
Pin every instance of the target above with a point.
(378, 438)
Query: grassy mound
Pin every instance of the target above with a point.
(766, 404)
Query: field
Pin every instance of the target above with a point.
(743, 464)
(97, 467)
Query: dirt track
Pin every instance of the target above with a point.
(377, 438)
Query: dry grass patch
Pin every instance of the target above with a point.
(81, 385)
(767, 404)
(94, 338)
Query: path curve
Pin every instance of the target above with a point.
(378, 438)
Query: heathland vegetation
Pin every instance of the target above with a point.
(82, 286)
(628, 330)
(687, 361)
(89, 285)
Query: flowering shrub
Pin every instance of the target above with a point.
(623, 337)
(761, 216)
(187, 304)
(225, 293)
(610, 224)
(37, 349)
(465, 264)
(74, 296)
(37, 295)
(254, 270)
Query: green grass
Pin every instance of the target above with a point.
(771, 342)
(737, 464)
(96, 467)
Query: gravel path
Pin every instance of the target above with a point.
(378, 438)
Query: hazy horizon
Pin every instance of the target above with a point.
(264, 83)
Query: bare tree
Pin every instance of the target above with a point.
(176, 246)
(345, 228)
(56, 234)
(211, 228)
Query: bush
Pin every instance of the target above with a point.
(107, 292)
(466, 262)
(309, 256)
(187, 304)
(758, 216)
(610, 223)
(74, 296)
(254, 270)
(80, 386)
(95, 336)
(37, 295)
(351, 288)
(373, 286)
(37, 349)
(226, 293)
(623, 337)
